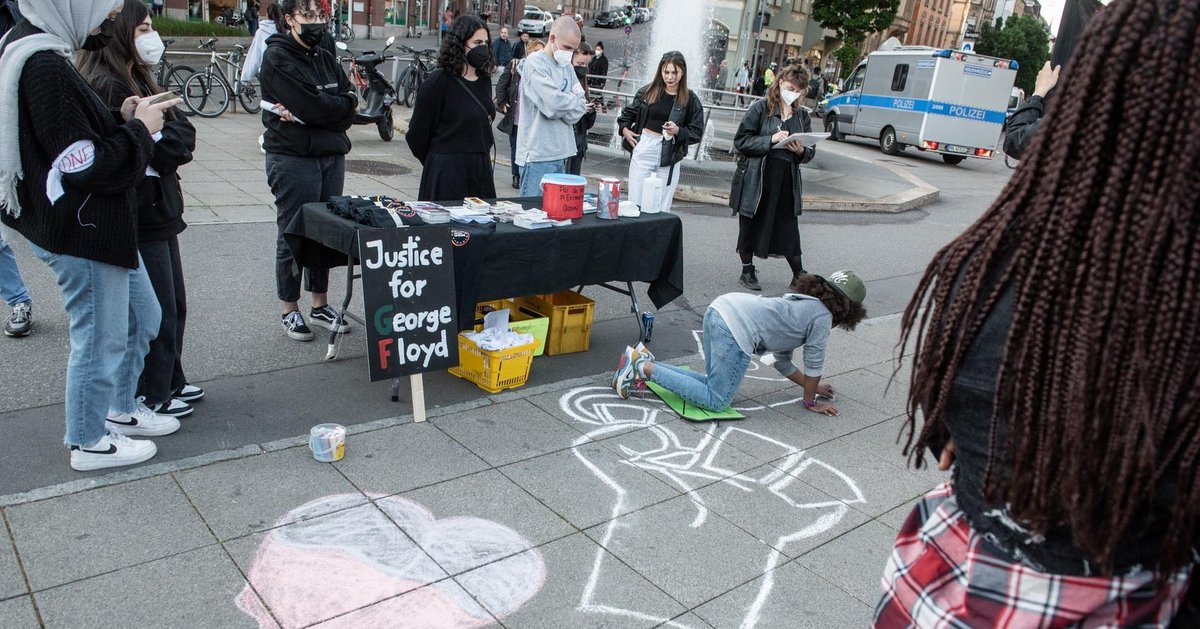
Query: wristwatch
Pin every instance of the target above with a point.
(812, 404)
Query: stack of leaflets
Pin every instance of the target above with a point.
(465, 215)
(431, 213)
(476, 204)
(532, 219)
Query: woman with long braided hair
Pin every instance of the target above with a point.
(1057, 360)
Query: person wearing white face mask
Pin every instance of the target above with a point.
(552, 101)
(766, 184)
(122, 69)
(69, 167)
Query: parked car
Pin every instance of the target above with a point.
(610, 19)
(641, 14)
(535, 22)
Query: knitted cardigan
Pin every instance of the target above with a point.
(96, 218)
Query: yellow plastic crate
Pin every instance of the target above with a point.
(493, 371)
(520, 319)
(570, 317)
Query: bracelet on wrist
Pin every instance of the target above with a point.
(808, 404)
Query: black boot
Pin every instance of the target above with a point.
(749, 278)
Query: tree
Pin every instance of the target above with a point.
(1023, 38)
(847, 57)
(853, 20)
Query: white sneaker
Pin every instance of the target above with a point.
(113, 450)
(142, 421)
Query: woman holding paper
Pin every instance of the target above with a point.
(308, 106)
(766, 185)
(118, 71)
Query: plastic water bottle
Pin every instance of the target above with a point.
(652, 188)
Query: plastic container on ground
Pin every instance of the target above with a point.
(570, 317)
(523, 320)
(493, 371)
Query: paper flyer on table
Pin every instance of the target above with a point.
(809, 139)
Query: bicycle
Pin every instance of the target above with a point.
(169, 76)
(207, 93)
(415, 74)
(338, 27)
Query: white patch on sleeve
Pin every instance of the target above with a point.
(77, 157)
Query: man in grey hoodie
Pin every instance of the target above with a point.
(552, 101)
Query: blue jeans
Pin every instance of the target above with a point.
(725, 365)
(531, 175)
(114, 316)
(12, 287)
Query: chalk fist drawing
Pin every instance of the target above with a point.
(640, 430)
(343, 563)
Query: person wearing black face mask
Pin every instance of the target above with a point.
(312, 106)
(582, 60)
(451, 127)
(99, 39)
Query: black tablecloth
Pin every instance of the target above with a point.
(500, 260)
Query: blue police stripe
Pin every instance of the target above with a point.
(920, 105)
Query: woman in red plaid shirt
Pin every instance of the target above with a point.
(1057, 361)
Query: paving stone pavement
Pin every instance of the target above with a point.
(563, 506)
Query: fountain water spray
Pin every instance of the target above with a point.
(680, 25)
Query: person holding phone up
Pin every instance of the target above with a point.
(122, 69)
(69, 170)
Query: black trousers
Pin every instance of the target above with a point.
(295, 181)
(162, 374)
(574, 165)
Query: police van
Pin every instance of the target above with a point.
(945, 101)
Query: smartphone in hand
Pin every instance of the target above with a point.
(165, 96)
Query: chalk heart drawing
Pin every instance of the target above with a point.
(347, 568)
(689, 461)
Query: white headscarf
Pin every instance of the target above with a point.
(65, 25)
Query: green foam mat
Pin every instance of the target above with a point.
(690, 411)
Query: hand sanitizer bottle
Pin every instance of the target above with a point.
(652, 188)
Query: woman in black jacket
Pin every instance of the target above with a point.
(657, 127)
(451, 127)
(312, 106)
(69, 166)
(766, 185)
(120, 70)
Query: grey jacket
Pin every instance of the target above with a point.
(778, 325)
(753, 142)
(551, 103)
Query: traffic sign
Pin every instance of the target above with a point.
(628, 29)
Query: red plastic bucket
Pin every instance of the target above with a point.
(562, 196)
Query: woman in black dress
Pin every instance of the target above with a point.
(766, 185)
(451, 127)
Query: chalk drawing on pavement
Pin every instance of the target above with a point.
(689, 462)
(351, 564)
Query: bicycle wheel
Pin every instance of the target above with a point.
(176, 78)
(346, 32)
(250, 97)
(206, 95)
(408, 88)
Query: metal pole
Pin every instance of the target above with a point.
(755, 39)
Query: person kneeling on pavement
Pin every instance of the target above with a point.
(738, 326)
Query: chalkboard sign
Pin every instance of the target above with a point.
(408, 292)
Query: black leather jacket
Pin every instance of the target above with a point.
(753, 142)
(691, 129)
(1023, 125)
